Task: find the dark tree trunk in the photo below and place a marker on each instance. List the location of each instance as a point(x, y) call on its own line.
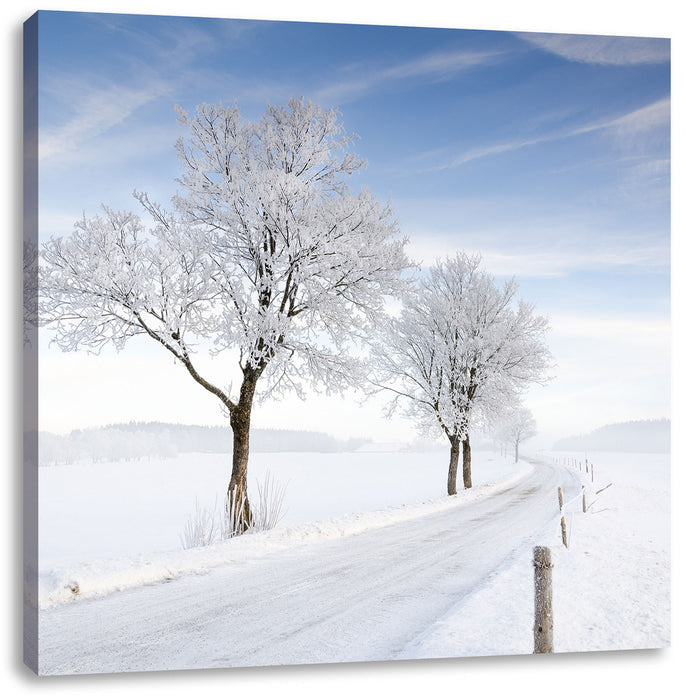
point(452, 468)
point(237, 494)
point(466, 463)
point(516, 451)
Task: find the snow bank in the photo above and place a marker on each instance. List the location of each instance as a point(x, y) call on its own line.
point(62, 584)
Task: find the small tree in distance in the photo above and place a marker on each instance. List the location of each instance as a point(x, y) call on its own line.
point(516, 426)
point(460, 351)
point(265, 253)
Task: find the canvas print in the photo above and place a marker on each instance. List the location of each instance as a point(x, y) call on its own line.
point(342, 343)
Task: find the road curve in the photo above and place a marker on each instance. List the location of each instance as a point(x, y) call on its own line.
point(362, 597)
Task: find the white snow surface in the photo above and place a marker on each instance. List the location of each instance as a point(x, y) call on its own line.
point(98, 520)
point(433, 576)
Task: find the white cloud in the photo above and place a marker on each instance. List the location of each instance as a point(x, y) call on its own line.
point(121, 148)
point(644, 331)
point(642, 129)
point(602, 50)
point(170, 44)
point(437, 65)
point(546, 263)
point(628, 129)
point(96, 111)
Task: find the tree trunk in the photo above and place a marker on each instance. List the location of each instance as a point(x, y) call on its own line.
point(466, 463)
point(516, 451)
point(452, 468)
point(237, 494)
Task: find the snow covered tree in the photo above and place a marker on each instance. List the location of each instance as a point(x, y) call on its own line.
point(516, 426)
point(266, 255)
point(459, 352)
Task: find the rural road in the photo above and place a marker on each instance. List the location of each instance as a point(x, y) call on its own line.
point(362, 597)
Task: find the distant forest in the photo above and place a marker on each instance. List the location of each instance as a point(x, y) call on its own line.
point(632, 436)
point(129, 441)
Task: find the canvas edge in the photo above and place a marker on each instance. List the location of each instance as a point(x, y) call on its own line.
point(30, 343)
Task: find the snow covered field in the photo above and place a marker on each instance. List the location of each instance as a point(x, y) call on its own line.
point(113, 509)
point(115, 526)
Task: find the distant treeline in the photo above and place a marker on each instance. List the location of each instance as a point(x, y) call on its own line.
point(632, 436)
point(131, 441)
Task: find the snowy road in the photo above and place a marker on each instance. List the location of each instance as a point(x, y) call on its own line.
point(357, 598)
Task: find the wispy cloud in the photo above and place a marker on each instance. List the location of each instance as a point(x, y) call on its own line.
point(641, 123)
point(437, 66)
point(556, 264)
point(98, 111)
point(648, 178)
point(167, 43)
point(155, 60)
point(602, 50)
point(626, 128)
point(526, 262)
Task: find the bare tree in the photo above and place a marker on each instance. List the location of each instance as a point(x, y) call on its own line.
point(461, 349)
point(265, 253)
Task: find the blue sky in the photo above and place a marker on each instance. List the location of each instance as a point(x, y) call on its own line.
point(549, 154)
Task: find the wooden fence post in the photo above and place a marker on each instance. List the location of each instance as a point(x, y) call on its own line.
point(563, 526)
point(543, 601)
point(583, 498)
